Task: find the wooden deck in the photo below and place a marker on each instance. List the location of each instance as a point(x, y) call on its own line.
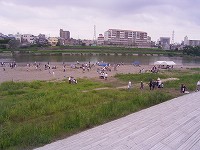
point(172, 125)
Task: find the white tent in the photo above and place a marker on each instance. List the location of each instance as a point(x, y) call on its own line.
point(169, 63)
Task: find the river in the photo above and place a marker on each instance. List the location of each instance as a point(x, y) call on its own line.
point(128, 59)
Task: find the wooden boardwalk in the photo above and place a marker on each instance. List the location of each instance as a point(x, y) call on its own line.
point(172, 125)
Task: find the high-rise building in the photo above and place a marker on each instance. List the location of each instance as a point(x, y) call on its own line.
point(64, 34)
point(126, 37)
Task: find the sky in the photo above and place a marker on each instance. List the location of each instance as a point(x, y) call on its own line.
point(159, 18)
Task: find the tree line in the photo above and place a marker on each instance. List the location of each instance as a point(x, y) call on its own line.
point(191, 50)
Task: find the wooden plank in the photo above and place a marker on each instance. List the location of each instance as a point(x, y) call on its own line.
point(174, 124)
point(191, 142)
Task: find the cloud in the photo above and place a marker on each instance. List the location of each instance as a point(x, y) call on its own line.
point(156, 17)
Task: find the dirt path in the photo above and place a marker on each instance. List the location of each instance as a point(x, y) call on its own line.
point(125, 86)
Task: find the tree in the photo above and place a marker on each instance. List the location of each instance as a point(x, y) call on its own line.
point(190, 50)
point(13, 44)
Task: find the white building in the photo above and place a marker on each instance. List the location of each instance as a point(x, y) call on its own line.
point(126, 37)
point(191, 42)
point(29, 38)
point(18, 37)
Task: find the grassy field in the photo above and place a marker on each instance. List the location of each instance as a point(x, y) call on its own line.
point(36, 113)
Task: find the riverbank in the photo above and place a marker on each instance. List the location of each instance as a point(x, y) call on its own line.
point(37, 113)
point(23, 72)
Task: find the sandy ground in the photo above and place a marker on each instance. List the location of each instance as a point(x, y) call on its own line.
point(24, 73)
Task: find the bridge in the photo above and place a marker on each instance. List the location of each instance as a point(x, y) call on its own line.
point(172, 125)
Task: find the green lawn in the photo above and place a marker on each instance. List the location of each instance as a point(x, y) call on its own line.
point(36, 113)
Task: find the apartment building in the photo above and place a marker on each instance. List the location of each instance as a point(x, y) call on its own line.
point(126, 37)
point(100, 39)
point(64, 37)
point(194, 42)
point(64, 34)
point(191, 42)
point(29, 38)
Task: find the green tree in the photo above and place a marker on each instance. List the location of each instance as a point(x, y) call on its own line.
point(13, 44)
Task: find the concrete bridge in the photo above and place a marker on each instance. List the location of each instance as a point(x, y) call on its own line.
point(172, 125)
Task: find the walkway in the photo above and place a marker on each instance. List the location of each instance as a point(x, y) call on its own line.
point(172, 125)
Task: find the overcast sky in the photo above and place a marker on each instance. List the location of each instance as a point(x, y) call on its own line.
point(156, 17)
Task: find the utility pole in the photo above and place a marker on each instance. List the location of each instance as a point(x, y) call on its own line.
point(94, 37)
point(173, 37)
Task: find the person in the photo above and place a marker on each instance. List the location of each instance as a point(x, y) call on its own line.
point(106, 76)
point(102, 75)
point(162, 85)
point(129, 85)
point(183, 88)
point(83, 69)
point(159, 83)
point(64, 68)
point(74, 81)
point(69, 79)
point(198, 86)
point(154, 83)
point(141, 85)
point(151, 85)
point(53, 73)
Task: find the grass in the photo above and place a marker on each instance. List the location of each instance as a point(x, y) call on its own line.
point(58, 50)
point(136, 78)
point(188, 77)
point(36, 113)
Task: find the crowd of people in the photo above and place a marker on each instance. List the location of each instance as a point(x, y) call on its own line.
point(153, 84)
point(102, 72)
point(10, 64)
point(72, 80)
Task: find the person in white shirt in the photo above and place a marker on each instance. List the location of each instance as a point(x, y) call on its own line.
point(106, 76)
point(69, 79)
point(129, 85)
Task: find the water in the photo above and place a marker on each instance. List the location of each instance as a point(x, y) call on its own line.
point(144, 60)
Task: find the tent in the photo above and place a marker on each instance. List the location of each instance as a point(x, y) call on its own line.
point(136, 63)
point(103, 64)
point(166, 63)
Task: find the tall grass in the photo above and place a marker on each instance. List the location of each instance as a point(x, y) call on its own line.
point(36, 113)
